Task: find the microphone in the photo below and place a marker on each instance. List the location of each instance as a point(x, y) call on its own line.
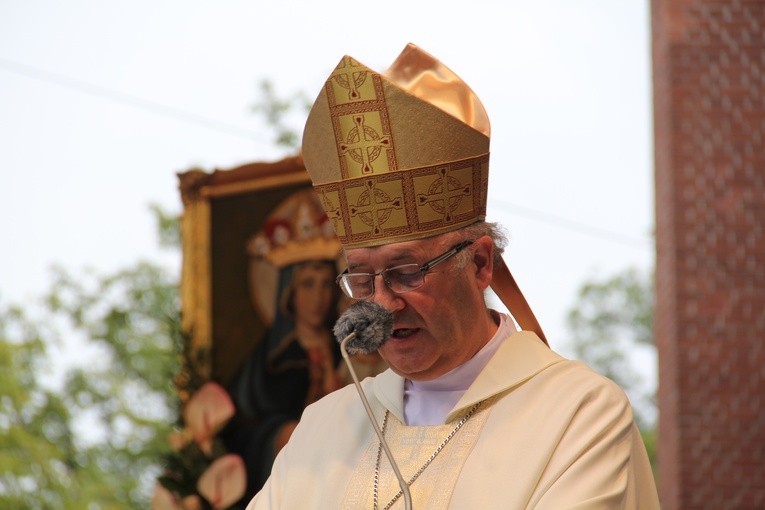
point(363, 328)
point(369, 323)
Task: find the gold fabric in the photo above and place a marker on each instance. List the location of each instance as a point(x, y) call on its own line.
point(397, 156)
point(423, 76)
point(411, 447)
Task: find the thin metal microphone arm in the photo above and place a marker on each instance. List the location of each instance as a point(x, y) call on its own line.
point(402, 483)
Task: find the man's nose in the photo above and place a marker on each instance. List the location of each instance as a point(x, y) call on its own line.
point(385, 297)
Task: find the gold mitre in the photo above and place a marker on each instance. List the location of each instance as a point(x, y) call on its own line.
point(400, 155)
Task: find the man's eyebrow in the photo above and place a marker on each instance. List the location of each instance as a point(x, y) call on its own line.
point(353, 266)
point(404, 256)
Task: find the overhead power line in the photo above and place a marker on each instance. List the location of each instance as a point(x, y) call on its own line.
point(565, 223)
point(230, 129)
point(130, 100)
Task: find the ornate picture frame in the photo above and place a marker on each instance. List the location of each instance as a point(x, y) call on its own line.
point(221, 210)
point(258, 301)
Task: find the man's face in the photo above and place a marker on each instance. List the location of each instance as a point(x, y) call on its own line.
point(432, 325)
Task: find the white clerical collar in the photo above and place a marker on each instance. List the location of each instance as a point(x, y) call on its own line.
point(428, 402)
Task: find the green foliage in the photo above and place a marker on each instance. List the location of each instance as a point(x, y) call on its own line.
point(37, 453)
point(275, 112)
point(168, 228)
point(132, 318)
point(650, 440)
point(100, 438)
point(609, 319)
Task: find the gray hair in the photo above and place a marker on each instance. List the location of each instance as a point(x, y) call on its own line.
point(480, 229)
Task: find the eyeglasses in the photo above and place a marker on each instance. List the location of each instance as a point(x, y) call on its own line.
point(399, 279)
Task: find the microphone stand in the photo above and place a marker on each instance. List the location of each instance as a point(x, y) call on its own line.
point(402, 483)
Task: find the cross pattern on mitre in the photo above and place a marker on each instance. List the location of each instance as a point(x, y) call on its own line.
point(350, 75)
point(444, 194)
point(374, 206)
point(363, 144)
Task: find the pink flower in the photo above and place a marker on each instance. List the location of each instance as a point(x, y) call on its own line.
point(207, 412)
point(224, 482)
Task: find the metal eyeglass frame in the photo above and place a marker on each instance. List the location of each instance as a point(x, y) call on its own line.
point(342, 278)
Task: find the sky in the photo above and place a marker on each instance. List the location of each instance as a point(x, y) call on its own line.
point(102, 103)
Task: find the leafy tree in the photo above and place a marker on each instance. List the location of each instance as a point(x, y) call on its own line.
point(276, 111)
point(37, 450)
point(99, 439)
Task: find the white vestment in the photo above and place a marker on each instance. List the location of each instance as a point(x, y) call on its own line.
point(551, 434)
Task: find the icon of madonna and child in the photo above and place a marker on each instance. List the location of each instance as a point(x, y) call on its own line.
point(293, 262)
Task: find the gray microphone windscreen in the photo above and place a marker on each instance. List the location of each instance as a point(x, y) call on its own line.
point(372, 324)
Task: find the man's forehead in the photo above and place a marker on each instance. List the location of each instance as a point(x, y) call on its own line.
point(391, 252)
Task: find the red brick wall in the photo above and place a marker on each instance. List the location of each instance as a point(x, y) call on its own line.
point(709, 113)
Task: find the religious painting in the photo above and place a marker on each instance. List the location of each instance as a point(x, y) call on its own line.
point(258, 301)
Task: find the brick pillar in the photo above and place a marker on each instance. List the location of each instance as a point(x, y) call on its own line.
point(709, 113)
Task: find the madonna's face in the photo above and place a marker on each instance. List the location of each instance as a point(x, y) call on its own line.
point(314, 293)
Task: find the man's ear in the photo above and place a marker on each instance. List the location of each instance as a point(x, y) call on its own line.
point(483, 258)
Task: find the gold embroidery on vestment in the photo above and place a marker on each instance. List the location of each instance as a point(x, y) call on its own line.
point(411, 447)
